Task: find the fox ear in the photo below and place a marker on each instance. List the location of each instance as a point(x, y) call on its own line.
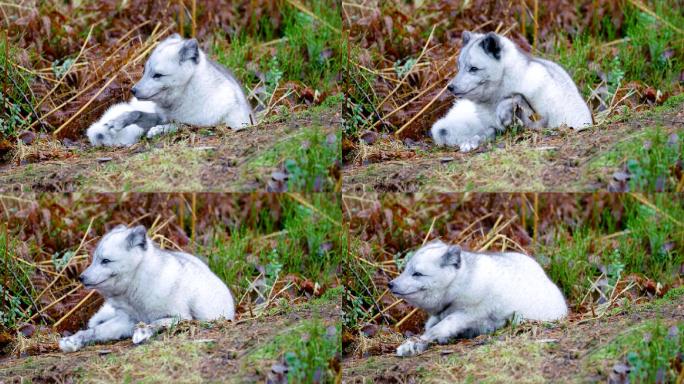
point(175, 36)
point(492, 45)
point(465, 37)
point(137, 238)
point(452, 257)
point(189, 51)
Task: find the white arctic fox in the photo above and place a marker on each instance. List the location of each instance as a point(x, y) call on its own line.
point(123, 124)
point(492, 68)
point(190, 88)
point(144, 284)
point(467, 293)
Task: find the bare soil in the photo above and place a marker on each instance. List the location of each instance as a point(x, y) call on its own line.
point(191, 352)
point(190, 160)
point(562, 354)
point(559, 160)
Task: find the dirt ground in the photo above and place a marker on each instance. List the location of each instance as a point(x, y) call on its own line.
point(190, 160)
point(192, 352)
point(555, 160)
point(568, 352)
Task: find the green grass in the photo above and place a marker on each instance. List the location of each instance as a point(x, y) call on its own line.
point(15, 98)
point(650, 244)
point(650, 350)
point(650, 158)
point(16, 290)
point(307, 349)
point(304, 242)
point(641, 55)
point(301, 49)
point(307, 158)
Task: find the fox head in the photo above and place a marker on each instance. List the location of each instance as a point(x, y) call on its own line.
point(428, 275)
point(168, 70)
point(115, 259)
point(480, 66)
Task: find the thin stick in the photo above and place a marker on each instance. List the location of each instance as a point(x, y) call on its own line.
point(61, 79)
point(40, 312)
point(194, 16)
point(194, 217)
point(410, 70)
point(68, 262)
point(640, 5)
point(536, 217)
point(402, 321)
point(385, 309)
point(427, 235)
point(181, 17)
point(645, 201)
point(298, 5)
point(421, 111)
point(300, 200)
point(91, 293)
point(536, 25)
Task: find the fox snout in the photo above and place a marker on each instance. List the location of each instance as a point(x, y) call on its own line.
point(390, 285)
point(451, 87)
point(134, 91)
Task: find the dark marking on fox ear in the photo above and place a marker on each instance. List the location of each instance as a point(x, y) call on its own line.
point(452, 257)
point(492, 45)
point(189, 51)
point(465, 38)
point(137, 238)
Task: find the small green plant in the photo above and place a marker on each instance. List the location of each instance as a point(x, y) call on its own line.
point(308, 166)
point(651, 166)
point(16, 98)
point(353, 313)
point(16, 292)
point(309, 358)
point(653, 358)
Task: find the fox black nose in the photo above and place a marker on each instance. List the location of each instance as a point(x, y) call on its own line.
point(390, 285)
point(451, 88)
point(134, 91)
point(81, 278)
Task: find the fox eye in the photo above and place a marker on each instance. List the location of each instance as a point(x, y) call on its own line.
point(157, 76)
point(106, 261)
point(417, 274)
point(473, 69)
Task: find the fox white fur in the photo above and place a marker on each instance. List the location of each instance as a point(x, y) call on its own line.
point(190, 88)
point(491, 68)
point(108, 131)
point(466, 125)
point(467, 294)
point(144, 284)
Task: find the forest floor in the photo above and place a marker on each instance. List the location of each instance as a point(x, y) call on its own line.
point(550, 160)
point(192, 352)
point(189, 160)
point(570, 351)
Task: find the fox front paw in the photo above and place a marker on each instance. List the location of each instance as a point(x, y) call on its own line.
point(70, 343)
point(142, 334)
point(469, 144)
point(412, 347)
